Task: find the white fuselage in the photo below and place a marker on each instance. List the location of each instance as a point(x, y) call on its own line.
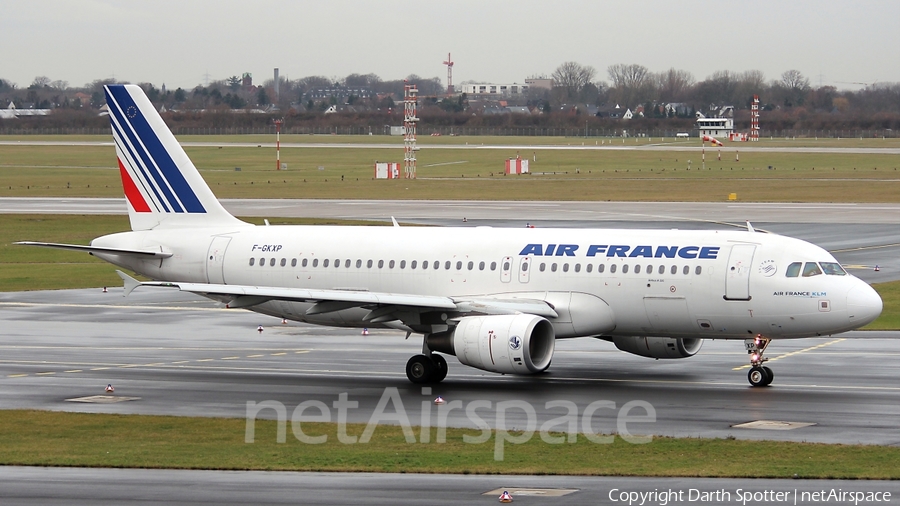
point(701, 284)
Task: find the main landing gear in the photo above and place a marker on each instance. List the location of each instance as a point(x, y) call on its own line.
point(425, 369)
point(759, 375)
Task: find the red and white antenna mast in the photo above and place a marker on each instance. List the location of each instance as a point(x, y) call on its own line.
point(410, 92)
point(449, 64)
point(754, 119)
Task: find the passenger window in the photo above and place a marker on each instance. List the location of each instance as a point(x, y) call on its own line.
point(543, 266)
point(337, 263)
point(436, 266)
point(625, 269)
point(283, 262)
point(403, 264)
point(369, 263)
point(793, 270)
point(811, 269)
point(358, 263)
point(471, 265)
point(391, 264)
point(425, 265)
point(589, 267)
point(459, 265)
point(637, 269)
point(447, 265)
point(293, 262)
point(480, 266)
point(674, 269)
point(412, 265)
point(381, 264)
point(272, 262)
point(505, 266)
point(577, 267)
point(686, 270)
point(347, 263)
point(262, 262)
point(252, 261)
point(565, 267)
point(493, 266)
point(833, 269)
point(325, 263)
point(697, 270)
point(601, 268)
point(649, 269)
point(612, 269)
point(553, 267)
point(524, 266)
point(304, 262)
point(662, 269)
point(315, 262)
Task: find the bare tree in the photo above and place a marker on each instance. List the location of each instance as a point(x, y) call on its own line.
point(59, 85)
point(673, 85)
point(795, 87)
point(40, 82)
point(570, 78)
point(632, 83)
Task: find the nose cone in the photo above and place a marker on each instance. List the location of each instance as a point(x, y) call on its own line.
point(863, 304)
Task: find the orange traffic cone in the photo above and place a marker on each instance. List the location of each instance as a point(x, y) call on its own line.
point(505, 497)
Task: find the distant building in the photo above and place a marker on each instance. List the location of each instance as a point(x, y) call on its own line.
point(497, 90)
point(540, 82)
point(340, 93)
point(715, 127)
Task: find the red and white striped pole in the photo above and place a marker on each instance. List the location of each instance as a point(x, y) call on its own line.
point(278, 123)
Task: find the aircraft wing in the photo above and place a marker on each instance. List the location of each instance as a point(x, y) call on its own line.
point(383, 305)
point(96, 249)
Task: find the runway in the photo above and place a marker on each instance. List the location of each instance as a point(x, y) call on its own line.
point(51, 486)
point(861, 236)
point(181, 355)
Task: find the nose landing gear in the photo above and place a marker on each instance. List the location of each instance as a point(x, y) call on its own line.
point(759, 375)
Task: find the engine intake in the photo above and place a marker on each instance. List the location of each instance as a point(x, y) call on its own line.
point(509, 344)
point(659, 347)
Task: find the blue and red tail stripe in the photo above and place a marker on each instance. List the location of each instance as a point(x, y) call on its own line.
point(149, 158)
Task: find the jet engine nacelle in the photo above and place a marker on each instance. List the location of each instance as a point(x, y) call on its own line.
point(659, 347)
point(509, 344)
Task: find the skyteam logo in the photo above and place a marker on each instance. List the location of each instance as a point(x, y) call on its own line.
point(151, 178)
point(515, 342)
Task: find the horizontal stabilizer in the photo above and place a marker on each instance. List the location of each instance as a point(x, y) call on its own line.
point(94, 249)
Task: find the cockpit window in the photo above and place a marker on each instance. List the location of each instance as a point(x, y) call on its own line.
point(811, 269)
point(833, 268)
point(793, 270)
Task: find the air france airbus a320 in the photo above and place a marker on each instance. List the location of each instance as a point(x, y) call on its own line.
point(497, 299)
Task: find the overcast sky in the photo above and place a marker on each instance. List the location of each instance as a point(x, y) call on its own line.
point(182, 43)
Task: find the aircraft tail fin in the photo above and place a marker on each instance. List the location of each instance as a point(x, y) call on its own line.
point(162, 186)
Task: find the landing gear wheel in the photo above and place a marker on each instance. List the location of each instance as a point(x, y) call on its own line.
point(440, 368)
point(759, 377)
point(769, 376)
point(420, 369)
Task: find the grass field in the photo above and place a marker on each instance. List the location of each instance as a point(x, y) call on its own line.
point(90, 171)
point(41, 438)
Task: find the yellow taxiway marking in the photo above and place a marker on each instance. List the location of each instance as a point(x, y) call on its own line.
point(157, 364)
point(255, 356)
point(302, 351)
point(229, 358)
point(44, 373)
point(279, 354)
point(74, 370)
point(100, 368)
point(206, 360)
point(792, 353)
point(16, 375)
point(181, 362)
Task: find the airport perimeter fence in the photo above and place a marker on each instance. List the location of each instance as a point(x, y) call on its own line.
point(425, 131)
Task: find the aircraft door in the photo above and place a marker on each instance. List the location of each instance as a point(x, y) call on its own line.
point(737, 274)
point(525, 269)
point(215, 259)
point(506, 269)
